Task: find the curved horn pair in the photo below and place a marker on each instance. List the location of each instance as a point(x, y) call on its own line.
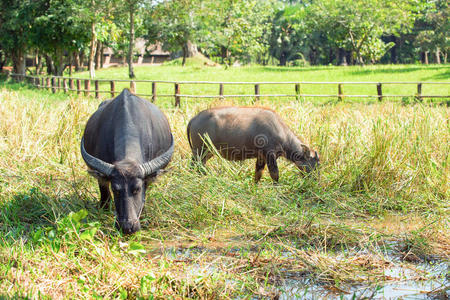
point(147, 168)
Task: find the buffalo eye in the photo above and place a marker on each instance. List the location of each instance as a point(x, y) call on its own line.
point(136, 190)
point(115, 188)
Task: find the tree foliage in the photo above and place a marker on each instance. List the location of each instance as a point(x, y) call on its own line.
point(290, 31)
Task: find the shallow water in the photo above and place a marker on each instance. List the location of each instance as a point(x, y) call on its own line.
point(427, 280)
point(404, 285)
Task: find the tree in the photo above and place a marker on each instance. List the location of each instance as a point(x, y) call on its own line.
point(432, 30)
point(288, 34)
point(99, 16)
point(132, 6)
point(175, 22)
point(60, 31)
point(16, 21)
point(358, 26)
point(233, 28)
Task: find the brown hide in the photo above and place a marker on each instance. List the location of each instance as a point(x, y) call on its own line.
point(240, 133)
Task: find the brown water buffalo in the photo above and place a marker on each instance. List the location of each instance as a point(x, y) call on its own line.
point(240, 133)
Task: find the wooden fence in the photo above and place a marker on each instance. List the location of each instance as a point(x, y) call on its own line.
point(83, 85)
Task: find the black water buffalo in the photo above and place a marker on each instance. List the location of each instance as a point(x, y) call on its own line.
point(240, 133)
point(126, 142)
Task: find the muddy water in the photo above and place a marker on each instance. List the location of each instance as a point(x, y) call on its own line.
point(427, 280)
point(434, 283)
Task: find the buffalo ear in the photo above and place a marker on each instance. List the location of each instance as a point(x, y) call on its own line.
point(96, 174)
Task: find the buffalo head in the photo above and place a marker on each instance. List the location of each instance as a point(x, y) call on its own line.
point(129, 181)
point(307, 160)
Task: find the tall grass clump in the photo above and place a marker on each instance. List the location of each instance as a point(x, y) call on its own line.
point(380, 162)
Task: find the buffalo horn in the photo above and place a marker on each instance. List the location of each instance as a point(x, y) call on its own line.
point(95, 163)
point(157, 163)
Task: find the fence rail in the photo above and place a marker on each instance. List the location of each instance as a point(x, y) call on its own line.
point(83, 85)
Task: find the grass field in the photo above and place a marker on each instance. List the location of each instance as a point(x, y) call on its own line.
point(198, 72)
point(380, 204)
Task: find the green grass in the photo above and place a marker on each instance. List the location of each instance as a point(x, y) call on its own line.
point(384, 181)
point(200, 72)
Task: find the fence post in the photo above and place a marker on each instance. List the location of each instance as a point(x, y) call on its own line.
point(97, 94)
point(340, 93)
point(221, 91)
point(297, 91)
point(380, 92)
point(71, 84)
point(153, 91)
point(65, 85)
point(59, 83)
point(133, 87)
point(257, 92)
point(112, 87)
point(48, 83)
point(42, 82)
point(87, 87)
point(177, 93)
point(419, 91)
point(53, 85)
point(78, 86)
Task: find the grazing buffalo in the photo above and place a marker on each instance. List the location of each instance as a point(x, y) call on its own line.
point(239, 133)
point(126, 143)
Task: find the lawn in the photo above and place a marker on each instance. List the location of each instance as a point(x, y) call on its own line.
point(376, 216)
point(199, 72)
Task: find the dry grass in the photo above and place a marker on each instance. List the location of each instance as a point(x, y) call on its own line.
point(384, 177)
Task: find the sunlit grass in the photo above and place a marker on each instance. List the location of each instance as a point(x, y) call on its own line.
point(384, 177)
point(374, 73)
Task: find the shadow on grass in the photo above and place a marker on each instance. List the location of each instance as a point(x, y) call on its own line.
point(388, 70)
point(29, 211)
point(442, 76)
point(299, 69)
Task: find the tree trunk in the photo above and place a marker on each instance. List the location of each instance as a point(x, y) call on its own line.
point(49, 64)
point(131, 44)
point(184, 55)
point(70, 63)
point(102, 57)
point(191, 49)
point(352, 57)
point(438, 56)
point(18, 58)
point(38, 63)
point(223, 54)
point(59, 62)
point(342, 57)
point(2, 60)
point(76, 60)
point(283, 59)
point(360, 60)
point(92, 51)
point(394, 55)
point(82, 59)
point(426, 57)
point(98, 55)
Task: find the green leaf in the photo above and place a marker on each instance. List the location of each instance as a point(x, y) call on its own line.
point(136, 248)
point(78, 216)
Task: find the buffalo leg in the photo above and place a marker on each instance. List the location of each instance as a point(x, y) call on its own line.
point(273, 167)
point(105, 195)
point(259, 167)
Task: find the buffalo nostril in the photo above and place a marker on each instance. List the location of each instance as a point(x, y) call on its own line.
point(128, 227)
